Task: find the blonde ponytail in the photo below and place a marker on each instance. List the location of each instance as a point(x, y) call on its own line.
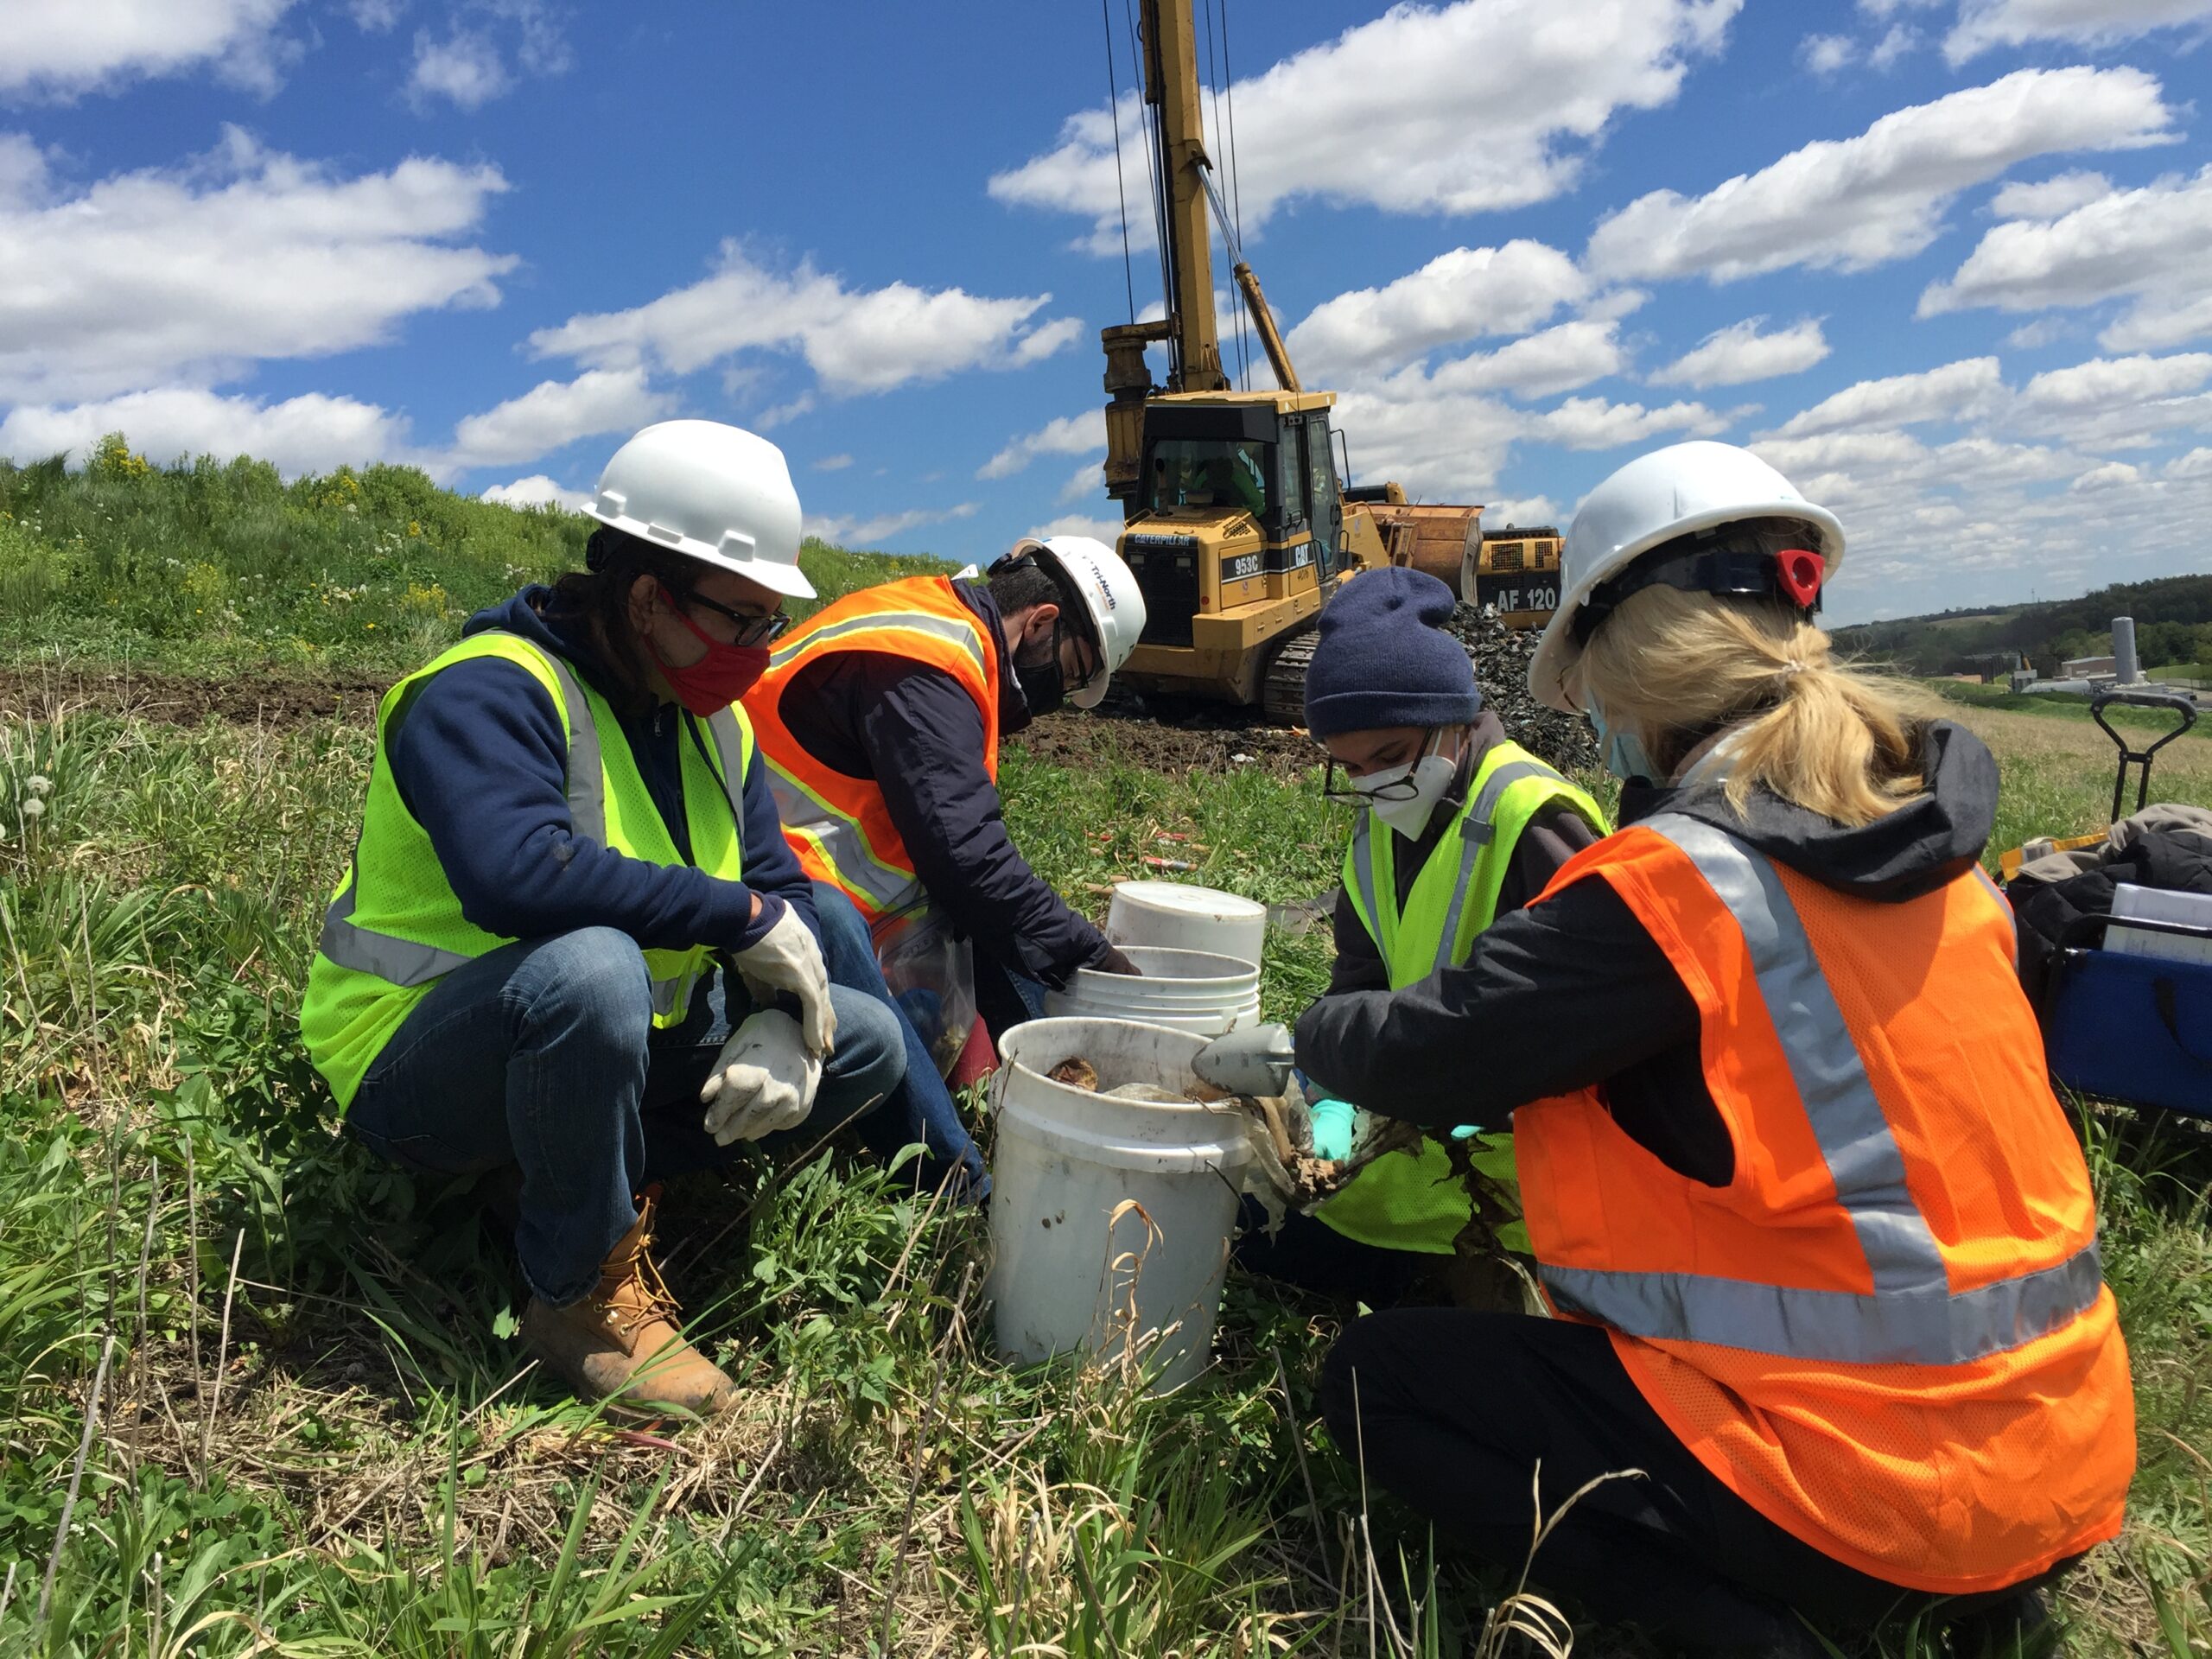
point(1676, 668)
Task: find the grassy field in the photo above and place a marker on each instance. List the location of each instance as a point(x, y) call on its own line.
point(259, 1392)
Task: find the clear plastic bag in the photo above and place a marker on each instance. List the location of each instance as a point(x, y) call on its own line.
point(930, 968)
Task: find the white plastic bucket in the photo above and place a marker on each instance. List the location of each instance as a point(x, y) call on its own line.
point(1182, 917)
point(1189, 990)
point(1110, 1218)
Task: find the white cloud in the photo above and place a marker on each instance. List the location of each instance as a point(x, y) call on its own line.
point(1107, 531)
point(307, 434)
point(2151, 245)
point(1453, 446)
point(1826, 53)
point(2109, 475)
point(61, 47)
point(855, 340)
point(1464, 294)
point(1984, 24)
point(1855, 203)
point(2119, 402)
point(1063, 435)
point(2050, 198)
point(2034, 336)
point(554, 413)
point(836, 463)
point(1955, 391)
point(1525, 511)
point(374, 17)
point(1558, 359)
point(1491, 103)
point(2104, 383)
point(538, 491)
point(465, 68)
point(470, 67)
point(1441, 446)
point(1087, 481)
point(1739, 353)
point(847, 531)
point(1595, 423)
point(1898, 39)
point(2198, 463)
point(245, 254)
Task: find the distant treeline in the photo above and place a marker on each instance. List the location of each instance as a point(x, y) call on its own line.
point(2173, 626)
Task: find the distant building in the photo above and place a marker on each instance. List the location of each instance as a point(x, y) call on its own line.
point(2089, 668)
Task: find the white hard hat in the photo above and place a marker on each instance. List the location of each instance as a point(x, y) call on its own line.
point(1110, 593)
point(716, 493)
point(1655, 498)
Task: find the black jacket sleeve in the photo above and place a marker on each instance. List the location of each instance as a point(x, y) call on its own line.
point(1359, 966)
point(481, 761)
point(1555, 997)
point(924, 739)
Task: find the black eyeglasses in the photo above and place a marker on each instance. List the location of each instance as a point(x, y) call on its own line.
point(751, 630)
point(1404, 790)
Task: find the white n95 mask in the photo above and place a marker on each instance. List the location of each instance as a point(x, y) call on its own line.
point(1404, 796)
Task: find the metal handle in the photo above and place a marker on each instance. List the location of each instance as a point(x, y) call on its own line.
point(2173, 702)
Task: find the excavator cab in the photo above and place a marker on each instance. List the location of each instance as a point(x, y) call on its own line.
point(1235, 530)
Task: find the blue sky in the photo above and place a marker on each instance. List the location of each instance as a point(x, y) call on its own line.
point(1940, 260)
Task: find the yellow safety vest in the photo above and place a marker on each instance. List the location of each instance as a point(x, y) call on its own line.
point(1410, 1200)
point(394, 926)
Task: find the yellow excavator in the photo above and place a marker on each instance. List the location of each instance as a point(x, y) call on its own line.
point(1237, 521)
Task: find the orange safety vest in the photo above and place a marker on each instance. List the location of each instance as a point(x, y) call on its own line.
point(838, 824)
point(1889, 1332)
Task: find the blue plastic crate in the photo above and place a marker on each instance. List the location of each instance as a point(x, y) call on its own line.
point(2131, 1028)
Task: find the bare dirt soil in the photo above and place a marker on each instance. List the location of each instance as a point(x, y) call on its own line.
point(1169, 740)
point(187, 700)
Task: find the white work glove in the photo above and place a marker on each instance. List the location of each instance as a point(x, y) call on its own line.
point(763, 1080)
point(787, 958)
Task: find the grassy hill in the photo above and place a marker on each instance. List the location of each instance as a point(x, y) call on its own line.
point(2173, 626)
point(210, 563)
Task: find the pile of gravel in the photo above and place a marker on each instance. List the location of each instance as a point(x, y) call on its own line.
point(1501, 657)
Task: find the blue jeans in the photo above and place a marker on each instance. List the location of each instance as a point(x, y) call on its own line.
point(542, 1054)
point(920, 1110)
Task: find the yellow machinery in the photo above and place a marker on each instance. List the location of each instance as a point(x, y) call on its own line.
point(1515, 572)
point(1236, 521)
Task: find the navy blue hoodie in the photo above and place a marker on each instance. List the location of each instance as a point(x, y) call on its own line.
point(480, 759)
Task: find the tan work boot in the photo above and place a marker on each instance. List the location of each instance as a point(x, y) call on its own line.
point(620, 1343)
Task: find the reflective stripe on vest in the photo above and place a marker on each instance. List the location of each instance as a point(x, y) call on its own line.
point(840, 840)
point(943, 627)
point(1912, 1316)
point(405, 963)
point(1477, 829)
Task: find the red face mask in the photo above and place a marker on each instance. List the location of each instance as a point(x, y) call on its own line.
point(717, 679)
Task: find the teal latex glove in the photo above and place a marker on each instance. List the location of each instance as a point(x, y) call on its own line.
point(1466, 1131)
point(1333, 1129)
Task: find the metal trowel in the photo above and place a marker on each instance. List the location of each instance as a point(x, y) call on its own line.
point(1256, 1061)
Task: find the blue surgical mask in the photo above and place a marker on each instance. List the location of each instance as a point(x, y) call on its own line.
point(1625, 756)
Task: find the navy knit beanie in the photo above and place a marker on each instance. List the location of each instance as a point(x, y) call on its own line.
point(1384, 660)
